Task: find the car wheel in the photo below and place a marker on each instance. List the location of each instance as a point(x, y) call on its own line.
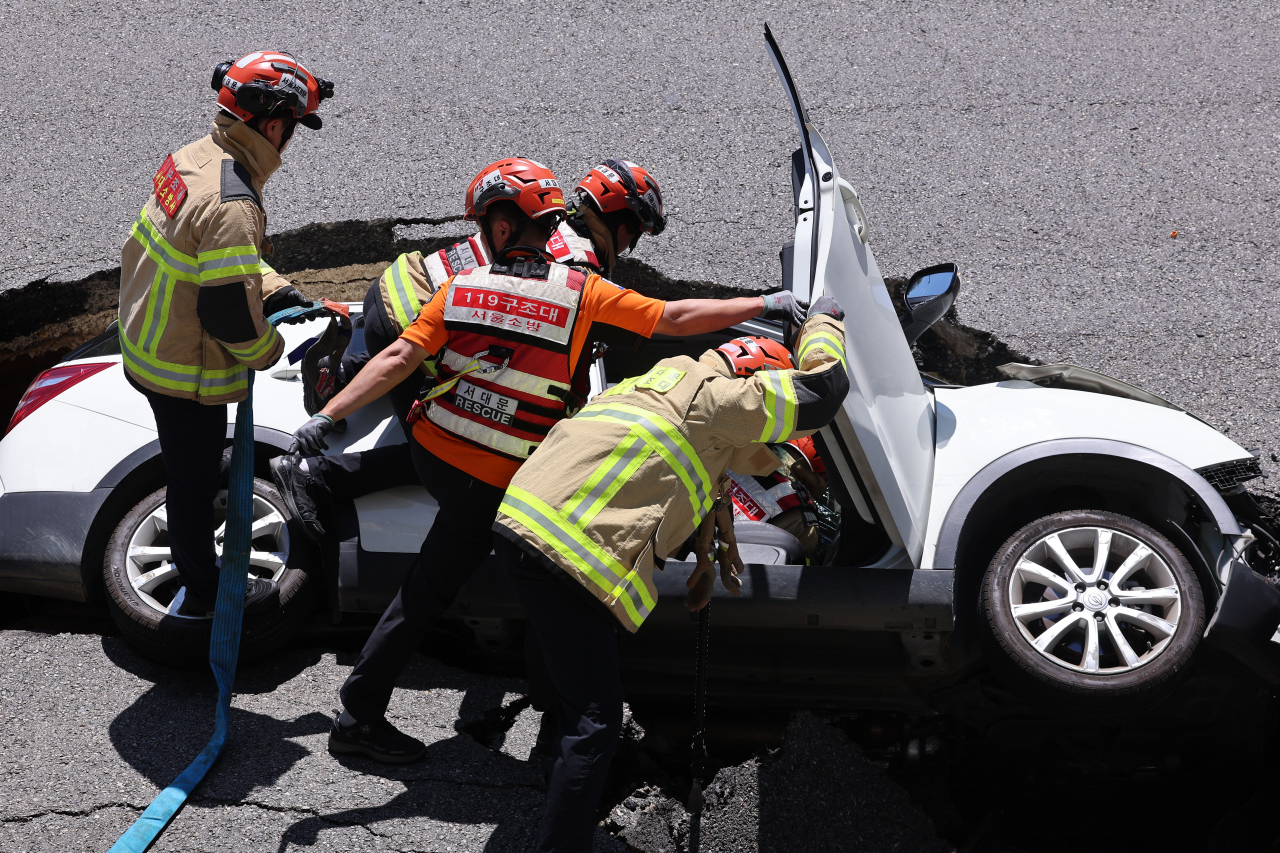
point(1091, 611)
point(145, 591)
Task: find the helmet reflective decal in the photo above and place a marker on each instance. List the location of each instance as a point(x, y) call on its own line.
point(549, 183)
point(494, 177)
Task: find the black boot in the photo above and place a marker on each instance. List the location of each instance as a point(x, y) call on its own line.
point(296, 487)
point(259, 595)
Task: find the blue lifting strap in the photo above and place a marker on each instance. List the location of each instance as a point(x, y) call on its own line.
point(224, 647)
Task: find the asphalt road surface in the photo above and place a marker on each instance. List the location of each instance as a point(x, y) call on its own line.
point(90, 733)
point(1049, 148)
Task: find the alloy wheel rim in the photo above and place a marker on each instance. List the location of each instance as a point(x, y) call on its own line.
point(149, 562)
point(1095, 600)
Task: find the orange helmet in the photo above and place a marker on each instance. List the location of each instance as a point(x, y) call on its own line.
point(269, 83)
point(618, 184)
point(746, 355)
point(806, 446)
point(528, 183)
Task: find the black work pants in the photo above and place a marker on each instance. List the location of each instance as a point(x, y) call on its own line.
point(353, 475)
point(576, 639)
point(459, 541)
point(192, 437)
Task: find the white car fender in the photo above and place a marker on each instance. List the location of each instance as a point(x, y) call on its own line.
point(979, 425)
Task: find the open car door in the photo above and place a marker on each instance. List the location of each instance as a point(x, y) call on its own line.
point(882, 443)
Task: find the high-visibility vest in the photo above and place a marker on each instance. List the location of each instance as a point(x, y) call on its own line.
point(505, 377)
point(468, 254)
point(569, 247)
point(755, 501)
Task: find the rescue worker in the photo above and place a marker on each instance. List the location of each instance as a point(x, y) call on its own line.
point(614, 208)
point(510, 340)
point(616, 202)
point(616, 489)
point(195, 292)
point(784, 498)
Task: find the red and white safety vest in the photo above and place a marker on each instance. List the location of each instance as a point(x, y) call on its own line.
point(754, 501)
point(569, 247)
point(509, 341)
point(467, 255)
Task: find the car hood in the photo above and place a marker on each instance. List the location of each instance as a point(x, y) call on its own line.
point(977, 425)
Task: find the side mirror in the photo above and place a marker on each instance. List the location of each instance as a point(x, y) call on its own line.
point(930, 294)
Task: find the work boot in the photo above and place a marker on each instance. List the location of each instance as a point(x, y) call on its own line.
point(380, 741)
point(295, 487)
point(259, 595)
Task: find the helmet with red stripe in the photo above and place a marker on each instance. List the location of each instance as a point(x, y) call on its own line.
point(529, 184)
point(746, 355)
point(270, 84)
point(618, 184)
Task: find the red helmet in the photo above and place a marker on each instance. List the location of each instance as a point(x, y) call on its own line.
point(806, 446)
point(528, 183)
point(622, 185)
point(746, 355)
point(269, 83)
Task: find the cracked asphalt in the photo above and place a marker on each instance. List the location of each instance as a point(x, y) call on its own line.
point(1049, 148)
point(90, 733)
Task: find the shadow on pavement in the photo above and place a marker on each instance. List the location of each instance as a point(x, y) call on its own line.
point(509, 813)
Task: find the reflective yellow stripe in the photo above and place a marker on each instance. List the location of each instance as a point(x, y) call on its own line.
point(779, 404)
point(404, 302)
point(256, 349)
point(176, 377)
point(667, 442)
point(229, 262)
point(181, 377)
point(610, 476)
point(601, 567)
point(181, 266)
point(217, 382)
point(150, 335)
point(827, 342)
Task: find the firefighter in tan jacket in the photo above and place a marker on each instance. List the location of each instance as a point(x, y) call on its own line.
point(195, 293)
point(616, 489)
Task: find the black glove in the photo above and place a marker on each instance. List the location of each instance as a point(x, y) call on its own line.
point(283, 299)
point(827, 305)
point(309, 438)
point(783, 306)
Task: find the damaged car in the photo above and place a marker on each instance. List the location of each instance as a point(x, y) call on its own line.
point(1081, 538)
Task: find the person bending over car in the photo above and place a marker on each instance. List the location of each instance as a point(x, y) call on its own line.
point(194, 294)
point(511, 341)
point(616, 202)
point(611, 494)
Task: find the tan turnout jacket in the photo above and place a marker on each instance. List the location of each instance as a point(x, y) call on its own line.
point(615, 489)
point(191, 285)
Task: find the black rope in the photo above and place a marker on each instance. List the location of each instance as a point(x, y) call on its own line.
point(699, 765)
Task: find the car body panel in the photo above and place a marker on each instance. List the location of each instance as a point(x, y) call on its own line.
point(886, 427)
point(978, 425)
point(68, 441)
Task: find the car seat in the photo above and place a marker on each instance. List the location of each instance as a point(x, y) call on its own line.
point(760, 542)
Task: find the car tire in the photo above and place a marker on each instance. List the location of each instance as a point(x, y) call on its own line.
point(1096, 640)
point(141, 606)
